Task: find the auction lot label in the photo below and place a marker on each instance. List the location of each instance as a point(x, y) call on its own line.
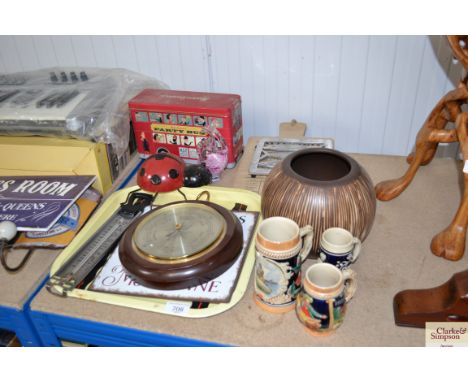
point(447, 334)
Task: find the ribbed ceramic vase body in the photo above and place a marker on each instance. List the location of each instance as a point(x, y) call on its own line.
point(321, 187)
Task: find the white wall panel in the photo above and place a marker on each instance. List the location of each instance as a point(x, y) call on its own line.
point(302, 66)
point(226, 59)
point(379, 78)
point(45, 51)
point(27, 52)
point(104, 51)
point(248, 65)
point(260, 115)
point(170, 59)
point(352, 85)
point(284, 72)
point(9, 54)
point(273, 83)
point(296, 107)
point(125, 52)
point(327, 62)
point(193, 52)
point(370, 93)
point(406, 77)
point(63, 48)
point(147, 56)
point(83, 50)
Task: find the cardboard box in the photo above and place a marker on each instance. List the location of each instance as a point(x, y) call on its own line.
point(55, 156)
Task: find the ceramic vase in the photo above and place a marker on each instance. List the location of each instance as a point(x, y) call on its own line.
point(323, 188)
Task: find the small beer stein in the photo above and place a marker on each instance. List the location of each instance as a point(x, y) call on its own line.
point(321, 305)
point(281, 250)
point(339, 247)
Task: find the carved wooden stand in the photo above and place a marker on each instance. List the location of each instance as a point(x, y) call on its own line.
point(447, 302)
point(450, 243)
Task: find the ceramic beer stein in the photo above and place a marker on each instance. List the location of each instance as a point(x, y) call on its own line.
point(321, 305)
point(339, 247)
point(281, 247)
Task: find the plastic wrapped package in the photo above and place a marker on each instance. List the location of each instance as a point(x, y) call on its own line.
point(83, 103)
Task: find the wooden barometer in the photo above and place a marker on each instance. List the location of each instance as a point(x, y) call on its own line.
point(181, 244)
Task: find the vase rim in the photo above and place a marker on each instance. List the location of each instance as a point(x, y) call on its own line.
point(352, 174)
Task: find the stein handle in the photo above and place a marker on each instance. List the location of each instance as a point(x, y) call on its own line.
point(357, 248)
point(308, 232)
point(350, 281)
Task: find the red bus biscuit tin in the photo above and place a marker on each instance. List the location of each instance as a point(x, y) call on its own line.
point(174, 121)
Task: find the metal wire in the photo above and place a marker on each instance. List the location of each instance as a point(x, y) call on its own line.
point(4, 250)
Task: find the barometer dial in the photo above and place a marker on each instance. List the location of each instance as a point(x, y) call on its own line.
point(179, 231)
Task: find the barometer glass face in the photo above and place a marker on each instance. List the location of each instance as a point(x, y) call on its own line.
point(178, 231)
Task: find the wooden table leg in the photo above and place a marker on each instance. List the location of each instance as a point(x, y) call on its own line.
point(431, 133)
point(450, 243)
point(450, 113)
